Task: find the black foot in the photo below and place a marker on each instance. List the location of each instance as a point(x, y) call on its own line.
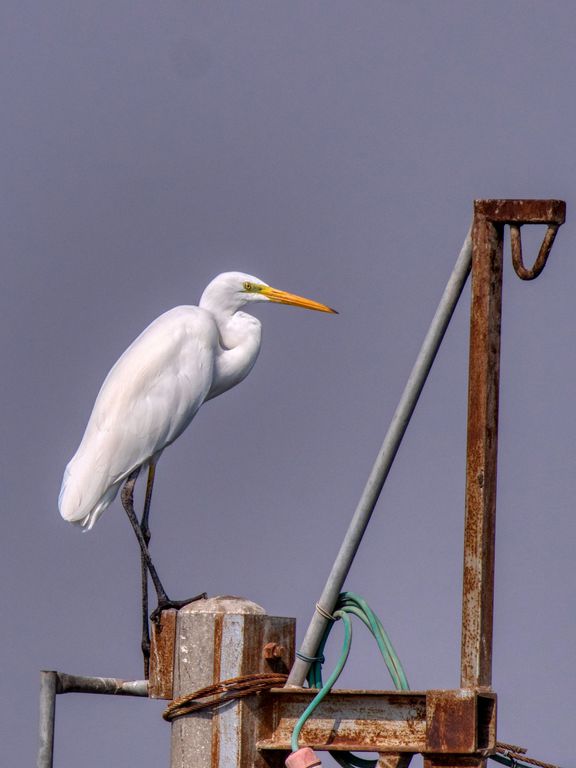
point(164, 605)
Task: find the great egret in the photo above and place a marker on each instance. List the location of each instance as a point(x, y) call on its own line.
point(185, 357)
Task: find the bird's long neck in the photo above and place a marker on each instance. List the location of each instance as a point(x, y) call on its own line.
point(240, 336)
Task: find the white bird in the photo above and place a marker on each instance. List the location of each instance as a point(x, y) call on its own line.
point(185, 357)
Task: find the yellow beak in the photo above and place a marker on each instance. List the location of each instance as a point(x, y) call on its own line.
point(282, 297)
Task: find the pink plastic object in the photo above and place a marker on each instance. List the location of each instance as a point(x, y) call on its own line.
point(302, 758)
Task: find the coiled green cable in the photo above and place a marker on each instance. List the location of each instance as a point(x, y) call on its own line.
point(349, 604)
point(322, 693)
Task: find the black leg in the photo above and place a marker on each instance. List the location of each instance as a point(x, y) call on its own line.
point(144, 527)
point(127, 496)
point(143, 535)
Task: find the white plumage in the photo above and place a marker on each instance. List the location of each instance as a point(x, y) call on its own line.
point(186, 356)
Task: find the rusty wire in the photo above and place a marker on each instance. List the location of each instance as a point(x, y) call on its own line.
point(518, 757)
point(501, 746)
point(217, 694)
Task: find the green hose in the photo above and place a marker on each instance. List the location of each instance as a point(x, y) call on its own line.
point(349, 604)
point(324, 691)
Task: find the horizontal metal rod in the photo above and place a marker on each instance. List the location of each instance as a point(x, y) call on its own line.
point(53, 683)
point(107, 685)
point(383, 462)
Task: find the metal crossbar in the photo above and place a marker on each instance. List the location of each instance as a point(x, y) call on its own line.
point(53, 683)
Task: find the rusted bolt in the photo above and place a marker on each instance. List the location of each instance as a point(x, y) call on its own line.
point(273, 651)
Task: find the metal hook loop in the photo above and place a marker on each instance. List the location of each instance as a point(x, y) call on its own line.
point(541, 259)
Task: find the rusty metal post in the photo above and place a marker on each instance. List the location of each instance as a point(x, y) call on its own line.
point(223, 638)
point(483, 385)
point(490, 217)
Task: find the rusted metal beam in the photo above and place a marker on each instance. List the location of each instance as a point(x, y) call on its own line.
point(461, 722)
point(549, 212)
point(490, 217)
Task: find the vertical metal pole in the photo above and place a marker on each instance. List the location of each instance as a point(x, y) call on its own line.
point(53, 683)
point(490, 217)
point(48, 690)
point(483, 383)
point(383, 462)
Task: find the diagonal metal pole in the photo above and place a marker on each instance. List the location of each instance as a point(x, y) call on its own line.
point(382, 465)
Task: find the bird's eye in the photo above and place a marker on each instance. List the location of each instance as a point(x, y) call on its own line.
point(248, 286)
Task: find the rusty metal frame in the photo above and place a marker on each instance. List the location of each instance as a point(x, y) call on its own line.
point(389, 722)
point(490, 218)
point(452, 729)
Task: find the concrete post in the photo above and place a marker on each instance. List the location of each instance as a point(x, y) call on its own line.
point(218, 639)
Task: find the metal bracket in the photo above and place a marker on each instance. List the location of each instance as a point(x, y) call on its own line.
point(516, 213)
point(444, 722)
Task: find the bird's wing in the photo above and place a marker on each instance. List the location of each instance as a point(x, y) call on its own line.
point(147, 400)
point(158, 384)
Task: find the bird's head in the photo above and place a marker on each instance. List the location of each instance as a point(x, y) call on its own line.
point(232, 290)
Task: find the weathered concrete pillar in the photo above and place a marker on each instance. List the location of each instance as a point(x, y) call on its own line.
point(219, 639)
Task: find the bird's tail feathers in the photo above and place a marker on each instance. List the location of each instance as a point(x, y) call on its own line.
point(82, 498)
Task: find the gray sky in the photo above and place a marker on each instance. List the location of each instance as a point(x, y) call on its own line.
point(334, 150)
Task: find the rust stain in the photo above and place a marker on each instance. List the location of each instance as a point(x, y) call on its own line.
point(216, 676)
point(162, 650)
point(394, 761)
point(522, 211)
point(482, 445)
point(451, 721)
point(354, 720)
